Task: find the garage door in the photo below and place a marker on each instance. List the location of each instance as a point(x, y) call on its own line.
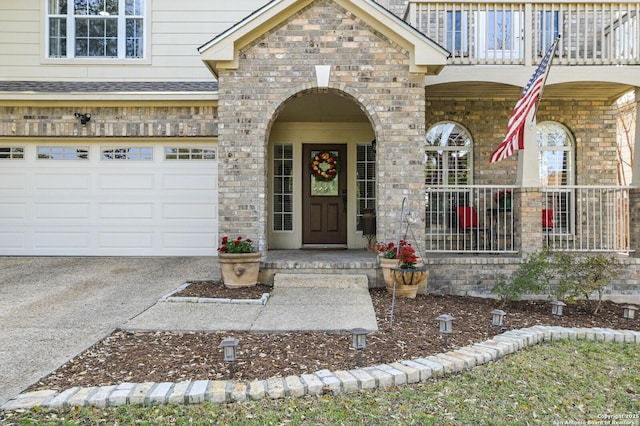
point(110, 199)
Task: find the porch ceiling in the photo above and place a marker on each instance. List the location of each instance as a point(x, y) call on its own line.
point(576, 90)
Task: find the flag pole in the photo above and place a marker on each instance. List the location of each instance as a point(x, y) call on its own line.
point(544, 79)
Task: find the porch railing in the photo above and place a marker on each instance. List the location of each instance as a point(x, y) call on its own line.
point(586, 218)
point(478, 32)
point(481, 219)
point(472, 219)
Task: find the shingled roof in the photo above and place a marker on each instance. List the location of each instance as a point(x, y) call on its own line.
point(108, 86)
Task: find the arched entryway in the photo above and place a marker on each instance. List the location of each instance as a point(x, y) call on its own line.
point(307, 209)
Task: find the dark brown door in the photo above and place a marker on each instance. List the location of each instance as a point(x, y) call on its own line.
point(324, 215)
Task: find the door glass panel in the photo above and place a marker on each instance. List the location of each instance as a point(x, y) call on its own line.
point(324, 163)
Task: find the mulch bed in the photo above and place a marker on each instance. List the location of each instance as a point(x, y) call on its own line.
point(165, 356)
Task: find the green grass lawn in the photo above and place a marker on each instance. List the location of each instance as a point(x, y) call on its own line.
point(546, 384)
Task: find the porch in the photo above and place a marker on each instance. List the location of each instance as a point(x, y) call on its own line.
point(466, 254)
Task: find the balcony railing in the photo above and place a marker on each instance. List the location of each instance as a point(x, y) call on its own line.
point(481, 219)
point(476, 32)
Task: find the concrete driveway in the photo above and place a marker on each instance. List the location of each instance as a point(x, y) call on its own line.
point(51, 309)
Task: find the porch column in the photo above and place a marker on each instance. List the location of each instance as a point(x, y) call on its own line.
point(634, 194)
point(528, 205)
point(527, 210)
point(528, 168)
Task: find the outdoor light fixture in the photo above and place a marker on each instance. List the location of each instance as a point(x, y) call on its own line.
point(497, 317)
point(556, 308)
point(359, 342)
point(446, 327)
point(229, 347)
point(84, 118)
point(629, 312)
point(446, 323)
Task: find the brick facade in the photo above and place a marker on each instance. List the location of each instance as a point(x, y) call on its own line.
point(281, 64)
point(117, 121)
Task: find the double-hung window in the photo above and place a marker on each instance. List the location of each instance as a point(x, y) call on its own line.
point(96, 29)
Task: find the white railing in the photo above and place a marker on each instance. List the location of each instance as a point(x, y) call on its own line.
point(479, 219)
point(469, 219)
point(586, 218)
point(476, 32)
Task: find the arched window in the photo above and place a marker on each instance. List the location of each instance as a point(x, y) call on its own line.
point(555, 156)
point(448, 169)
point(555, 160)
point(448, 155)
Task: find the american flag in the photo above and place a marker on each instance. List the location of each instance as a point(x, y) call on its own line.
point(528, 100)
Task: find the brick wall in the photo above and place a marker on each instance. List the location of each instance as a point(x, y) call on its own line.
point(592, 124)
point(156, 121)
point(365, 66)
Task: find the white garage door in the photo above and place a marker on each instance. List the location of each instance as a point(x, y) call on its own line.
point(108, 199)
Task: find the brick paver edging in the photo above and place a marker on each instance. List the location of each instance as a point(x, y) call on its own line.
point(382, 376)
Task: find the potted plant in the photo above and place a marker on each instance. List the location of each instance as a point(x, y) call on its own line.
point(387, 259)
point(408, 277)
point(239, 262)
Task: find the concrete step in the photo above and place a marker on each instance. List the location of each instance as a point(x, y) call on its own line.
point(338, 281)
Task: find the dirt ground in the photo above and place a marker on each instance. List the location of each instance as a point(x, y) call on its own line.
point(173, 357)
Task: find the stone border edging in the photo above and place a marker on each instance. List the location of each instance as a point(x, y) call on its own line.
point(170, 298)
point(320, 382)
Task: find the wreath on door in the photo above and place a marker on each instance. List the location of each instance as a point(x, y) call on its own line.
point(324, 166)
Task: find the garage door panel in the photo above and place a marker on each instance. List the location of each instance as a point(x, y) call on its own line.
point(189, 211)
point(15, 211)
point(189, 240)
point(126, 240)
point(12, 240)
point(15, 182)
point(190, 182)
point(63, 211)
point(61, 240)
point(63, 182)
point(123, 211)
point(127, 182)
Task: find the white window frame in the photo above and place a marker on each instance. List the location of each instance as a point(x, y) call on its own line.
point(190, 153)
point(442, 197)
point(486, 34)
point(564, 218)
point(70, 19)
point(126, 153)
point(8, 152)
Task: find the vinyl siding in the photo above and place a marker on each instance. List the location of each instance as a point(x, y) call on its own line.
point(177, 30)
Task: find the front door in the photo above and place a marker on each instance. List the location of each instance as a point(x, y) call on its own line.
point(324, 183)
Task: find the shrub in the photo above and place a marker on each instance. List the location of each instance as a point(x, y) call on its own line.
point(532, 277)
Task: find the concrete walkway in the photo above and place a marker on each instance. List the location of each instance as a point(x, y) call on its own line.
point(298, 302)
point(51, 309)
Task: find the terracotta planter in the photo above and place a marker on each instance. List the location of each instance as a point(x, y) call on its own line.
point(386, 265)
point(409, 281)
point(239, 270)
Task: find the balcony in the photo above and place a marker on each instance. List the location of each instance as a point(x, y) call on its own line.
point(482, 33)
point(489, 219)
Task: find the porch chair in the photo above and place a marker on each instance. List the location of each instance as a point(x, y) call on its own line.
point(547, 222)
point(469, 223)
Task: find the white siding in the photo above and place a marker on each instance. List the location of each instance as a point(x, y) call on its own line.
point(178, 28)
